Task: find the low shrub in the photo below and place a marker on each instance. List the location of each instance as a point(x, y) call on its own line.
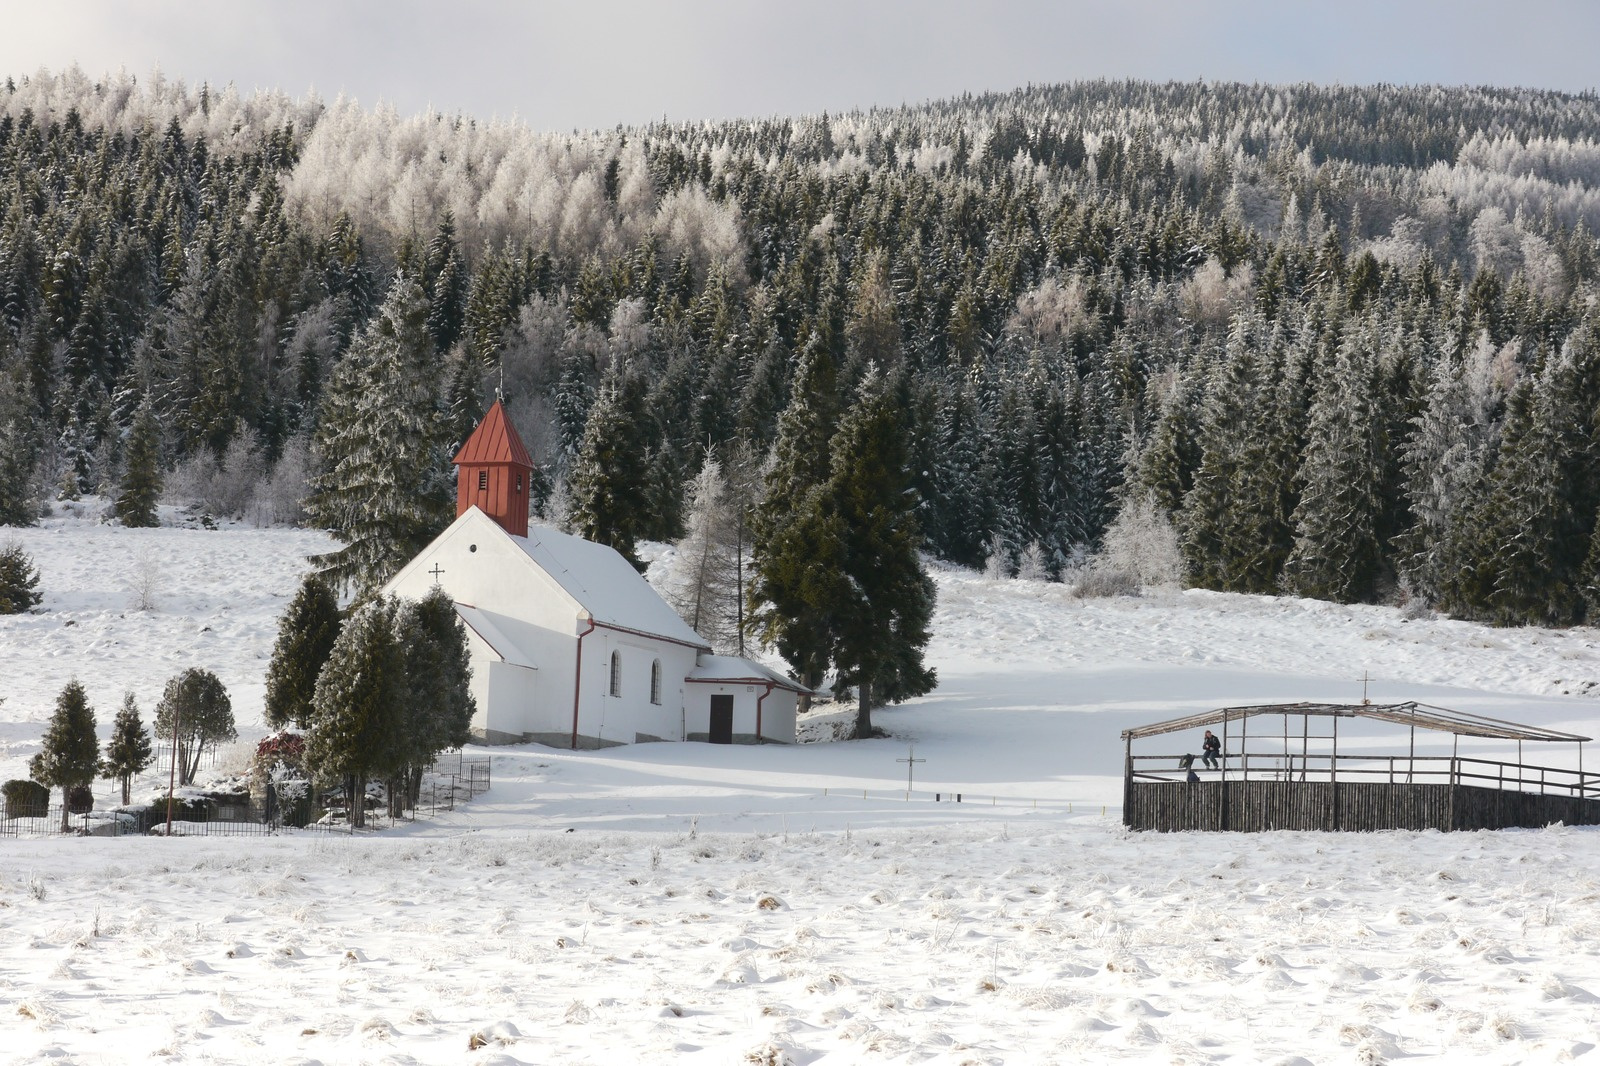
point(25, 799)
point(184, 809)
point(80, 800)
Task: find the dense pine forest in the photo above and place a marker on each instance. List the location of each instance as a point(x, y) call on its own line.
point(1341, 342)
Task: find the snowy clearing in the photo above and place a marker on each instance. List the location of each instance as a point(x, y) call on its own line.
point(791, 904)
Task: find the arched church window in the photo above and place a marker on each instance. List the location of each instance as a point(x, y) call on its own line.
point(655, 682)
point(616, 673)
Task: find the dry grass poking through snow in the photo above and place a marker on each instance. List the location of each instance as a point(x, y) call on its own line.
point(960, 945)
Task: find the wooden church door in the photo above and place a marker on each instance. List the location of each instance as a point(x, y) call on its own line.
point(722, 719)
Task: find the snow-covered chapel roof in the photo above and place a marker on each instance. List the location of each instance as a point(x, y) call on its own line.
point(732, 670)
point(606, 584)
point(483, 624)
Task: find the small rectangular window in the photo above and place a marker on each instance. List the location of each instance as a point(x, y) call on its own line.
point(519, 484)
point(483, 481)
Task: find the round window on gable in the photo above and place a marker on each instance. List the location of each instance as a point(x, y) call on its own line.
point(472, 547)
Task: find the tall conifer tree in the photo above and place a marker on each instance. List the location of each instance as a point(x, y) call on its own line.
point(141, 479)
point(1336, 552)
point(306, 634)
point(383, 490)
point(129, 751)
point(610, 480)
point(883, 606)
point(354, 735)
point(792, 573)
point(69, 754)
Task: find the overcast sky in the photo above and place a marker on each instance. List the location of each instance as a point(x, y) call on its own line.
point(600, 63)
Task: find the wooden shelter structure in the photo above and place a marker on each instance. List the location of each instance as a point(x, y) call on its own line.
point(1272, 777)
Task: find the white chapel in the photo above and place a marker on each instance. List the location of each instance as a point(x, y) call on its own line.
point(570, 646)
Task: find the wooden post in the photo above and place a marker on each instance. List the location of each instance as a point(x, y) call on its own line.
point(1222, 779)
point(1413, 763)
point(1244, 754)
point(1455, 774)
point(1333, 776)
point(1127, 779)
point(172, 775)
point(1305, 744)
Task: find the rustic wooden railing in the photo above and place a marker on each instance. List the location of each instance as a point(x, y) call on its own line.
point(1393, 769)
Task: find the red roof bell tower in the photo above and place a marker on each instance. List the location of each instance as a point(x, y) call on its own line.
point(494, 472)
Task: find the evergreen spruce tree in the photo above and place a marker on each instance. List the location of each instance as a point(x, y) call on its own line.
point(1064, 467)
point(883, 607)
point(357, 714)
point(445, 280)
point(18, 450)
point(1217, 545)
point(793, 575)
point(1539, 513)
point(610, 480)
point(383, 491)
point(439, 704)
point(1095, 473)
point(195, 705)
point(1336, 553)
point(1589, 578)
point(572, 400)
point(1264, 492)
point(1446, 461)
point(1157, 468)
point(19, 580)
point(1014, 457)
point(141, 480)
point(69, 754)
point(129, 751)
point(306, 634)
point(960, 510)
point(18, 505)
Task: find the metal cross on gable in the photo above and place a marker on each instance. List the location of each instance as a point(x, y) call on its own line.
point(911, 763)
point(436, 571)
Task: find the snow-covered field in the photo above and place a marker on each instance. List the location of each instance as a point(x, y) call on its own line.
point(689, 903)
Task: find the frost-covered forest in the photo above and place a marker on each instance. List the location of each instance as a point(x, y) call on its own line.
point(1341, 340)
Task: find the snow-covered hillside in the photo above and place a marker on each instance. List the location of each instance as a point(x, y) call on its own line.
point(732, 905)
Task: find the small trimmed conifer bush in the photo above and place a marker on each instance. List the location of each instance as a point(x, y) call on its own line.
point(25, 799)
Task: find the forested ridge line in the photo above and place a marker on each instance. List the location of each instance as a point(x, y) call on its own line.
point(1340, 338)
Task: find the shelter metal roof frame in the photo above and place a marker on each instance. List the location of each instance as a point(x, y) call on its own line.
point(1440, 719)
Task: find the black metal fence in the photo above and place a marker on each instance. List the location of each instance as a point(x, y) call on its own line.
point(453, 780)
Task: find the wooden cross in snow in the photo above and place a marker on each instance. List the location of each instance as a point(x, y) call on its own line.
point(911, 763)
